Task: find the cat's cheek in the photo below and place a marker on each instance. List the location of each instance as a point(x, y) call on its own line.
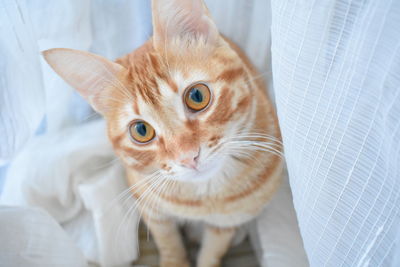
point(145, 167)
point(213, 141)
point(131, 162)
point(166, 167)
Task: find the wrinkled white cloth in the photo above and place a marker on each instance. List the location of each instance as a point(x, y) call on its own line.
point(31, 237)
point(74, 176)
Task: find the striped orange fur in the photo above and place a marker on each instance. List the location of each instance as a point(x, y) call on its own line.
point(220, 165)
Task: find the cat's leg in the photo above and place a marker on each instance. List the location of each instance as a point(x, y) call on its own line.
point(169, 242)
point(215, 244)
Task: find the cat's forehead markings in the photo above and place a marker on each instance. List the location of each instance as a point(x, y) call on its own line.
point(126, 109)
point(171, 99)
point(165, 89)
point(135, 107)
point(183, 81)
point(129, 112)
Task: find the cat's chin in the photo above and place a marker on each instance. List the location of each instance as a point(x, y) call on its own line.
point(202, 176)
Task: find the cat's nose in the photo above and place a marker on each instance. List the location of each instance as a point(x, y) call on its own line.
point(190, 159)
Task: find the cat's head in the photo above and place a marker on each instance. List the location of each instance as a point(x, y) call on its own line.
point(176, 103)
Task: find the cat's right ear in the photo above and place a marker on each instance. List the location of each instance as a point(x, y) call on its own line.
point(90, 74)
point(182, 21)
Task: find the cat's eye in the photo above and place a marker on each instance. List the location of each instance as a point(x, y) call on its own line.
point(197, 97)
point(141, 132)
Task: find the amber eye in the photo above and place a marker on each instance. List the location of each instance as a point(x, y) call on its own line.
point(141, 132)
point(197, 97)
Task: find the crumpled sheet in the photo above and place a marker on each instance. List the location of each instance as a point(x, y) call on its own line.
point(31, 237)
point(74, 176)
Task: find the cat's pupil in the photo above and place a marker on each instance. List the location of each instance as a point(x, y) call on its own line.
point(196, 95)
point(141, 129)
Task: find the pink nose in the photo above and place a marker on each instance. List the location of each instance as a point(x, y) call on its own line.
point(190, 159)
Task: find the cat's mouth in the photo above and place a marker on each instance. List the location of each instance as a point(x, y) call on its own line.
point(203, 172)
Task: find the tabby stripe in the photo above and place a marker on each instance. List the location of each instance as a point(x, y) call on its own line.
point(231, 75)
point(256, 184)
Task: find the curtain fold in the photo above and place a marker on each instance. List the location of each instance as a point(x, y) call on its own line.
point(21, 106)
point(336, 68)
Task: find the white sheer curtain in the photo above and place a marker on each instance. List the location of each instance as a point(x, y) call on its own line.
point(336, 71)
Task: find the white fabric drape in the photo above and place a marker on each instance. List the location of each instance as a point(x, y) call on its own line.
point(31, 233)
point(19, 66)
point(77, 184)
point(336, 71)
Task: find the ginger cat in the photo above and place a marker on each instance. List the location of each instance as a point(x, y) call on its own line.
point(191, 123)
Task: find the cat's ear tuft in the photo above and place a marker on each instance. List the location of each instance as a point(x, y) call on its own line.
point(90, 74)
point(182, 20)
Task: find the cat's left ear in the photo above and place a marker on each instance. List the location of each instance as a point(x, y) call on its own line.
point(93, 76)
point(182, 22)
